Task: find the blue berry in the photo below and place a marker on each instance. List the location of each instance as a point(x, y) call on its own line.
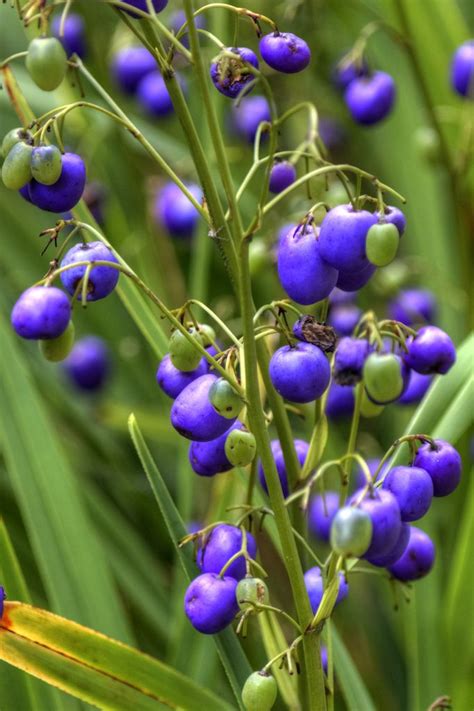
point(344, 318)
point(88, 364)
point(102, 279)
point(352, 281)
point(321, 511)
point(302, 449)
point(347, 70)
point(443, 463)
point(130, 65)
point(172, 381)
point(462, 69)
point(300, 373)
point(412, 488)
point(394, 216)
point(342, 238)
point(153, 95)
point(223, 542)
point(384, 511)
point(210, 603)
point(395, 553)
point(41, 313)
point(430, 351)
point(370, 99)
point(192, 414)
point(209, 458)
point(417, 559)
point(73, 39)
point(340, 401)
point(413, 307)
point(66, 192)
point(229, 75)
point(285, 52)
point(349, 359)
point(282, 175)
point(315, 587)
point(416, 389)
point(249, 114)
point(175, 211)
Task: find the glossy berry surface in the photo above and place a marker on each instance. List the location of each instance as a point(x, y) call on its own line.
point(315, 587)
point(395, 553)
point(394, 216)
point(46, 164)
point(301, 448)
point(413, 307)
point(352, 281)
point(130, 65)
point(382, 244)
point(16, 168)
point(285, 52)
point(300, 373)
point(351, 532)
point(384, 512)
point(183, 352)
point(210, 603)
point(46, 62)
point(340, 401)
point(430, 351)
point(443, 463)
point(321, 511)
point(344, 318)
point(66, 192)
point(73, 39)
point(102, 279)
point(224, 399)
point(240, 447)
point(88, 364)
point(349, 359)
point(385, 377)
point(223, 542)
point(347, 70)
point(175, 212)
point(172, 381)
point(229, 75)
point(192, 414)
point(462, 69)
point(282, 175)
point(417, 559)
point(249, 114)
point(303, 274)
point(413, 489)
point(41, 312)
point(342, 238)
point(259, 692)
point(210, 458)
point(153, 95)
point(251, 590)
point(370, 99)
point(416, 389)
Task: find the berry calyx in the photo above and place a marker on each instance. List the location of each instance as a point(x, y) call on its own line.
point(231, 74)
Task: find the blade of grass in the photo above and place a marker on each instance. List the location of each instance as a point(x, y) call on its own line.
point(351, 684)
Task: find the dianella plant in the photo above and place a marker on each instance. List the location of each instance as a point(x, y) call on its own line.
point(186, 541)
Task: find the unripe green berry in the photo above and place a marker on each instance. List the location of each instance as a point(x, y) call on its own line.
point(351, 532)
point(12, 137)
point(224, 399)
point(184, 354)
point(252, 589)
point(46, 62)
point(258, 257)
point(259, 692)
point(240, 448)
point(382, 377)
point(46, 164)
point(207, 334)
point(381, 244)
point(56, 349)
point(16, 168)
point(369, 409)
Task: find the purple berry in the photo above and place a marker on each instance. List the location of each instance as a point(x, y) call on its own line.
point(66, 192)
point(88, 364)
point(352, 281)
point(304, 275)
point(178, 19)
point(300, 373)
point(172, 381)
point(301, 447)
point(349, 359)
point(342, 238)
point(192, 414)
point(370, 99)
point(231, 76)
point(417, 559)
point(417, 388)
point(210, 602)
point(285, 52)
point(430, 351)
point(282, 175)
point(73, 39)
point(347, 70)
point(315, 587)
point(339, 296)
point(209, 458)
point(175, 211)
point(394, 216)
point(340, 401)
point(130, 65)
point(344, 318)
point(383, 561)
point(321, 512)
point(333, 135)
point(102, 279)
point(223, 542)
point(462, 69)
point(413, 489)
point(443, 464)
point(153, 95)
point(249, 114)
point(413, 307)
point(41, 313)
point(383, 509)
point(324, 658)
point(158, 6)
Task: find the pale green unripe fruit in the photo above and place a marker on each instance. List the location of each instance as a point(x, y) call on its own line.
point(383, 377)
point(240, 448)
point(207, 334)
point(258, 256)
point(381, 245)
point(16, 168)
point(12, 137)
point(46, 62)
point(369, 409)
point(224, 399)
point(183, 354)
point(57, 349)
point(46, 164)
point(259, 692)
point(252, 589)
point(351, 532)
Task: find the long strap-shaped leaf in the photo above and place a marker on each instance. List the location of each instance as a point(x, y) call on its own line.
point(93, 667)
point(233, 659)
point(353, 689)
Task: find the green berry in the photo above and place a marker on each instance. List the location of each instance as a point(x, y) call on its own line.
point(207, 334)
point(259, 692)
point(14, 136)
point(253, 589)
point(183, 354)
point(224, 399)
point(56, 349)
point(46, 62)
point(240, 448)
point(383, 377)
point(382, 244)
point(46, 164)
point(351, 532)
point(16, 168)
point(369, 409)
point(258, 257)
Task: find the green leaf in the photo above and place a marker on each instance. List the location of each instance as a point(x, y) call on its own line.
point(274, 642)
point(232, 657)
point(95, 668)
point(353, 689)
